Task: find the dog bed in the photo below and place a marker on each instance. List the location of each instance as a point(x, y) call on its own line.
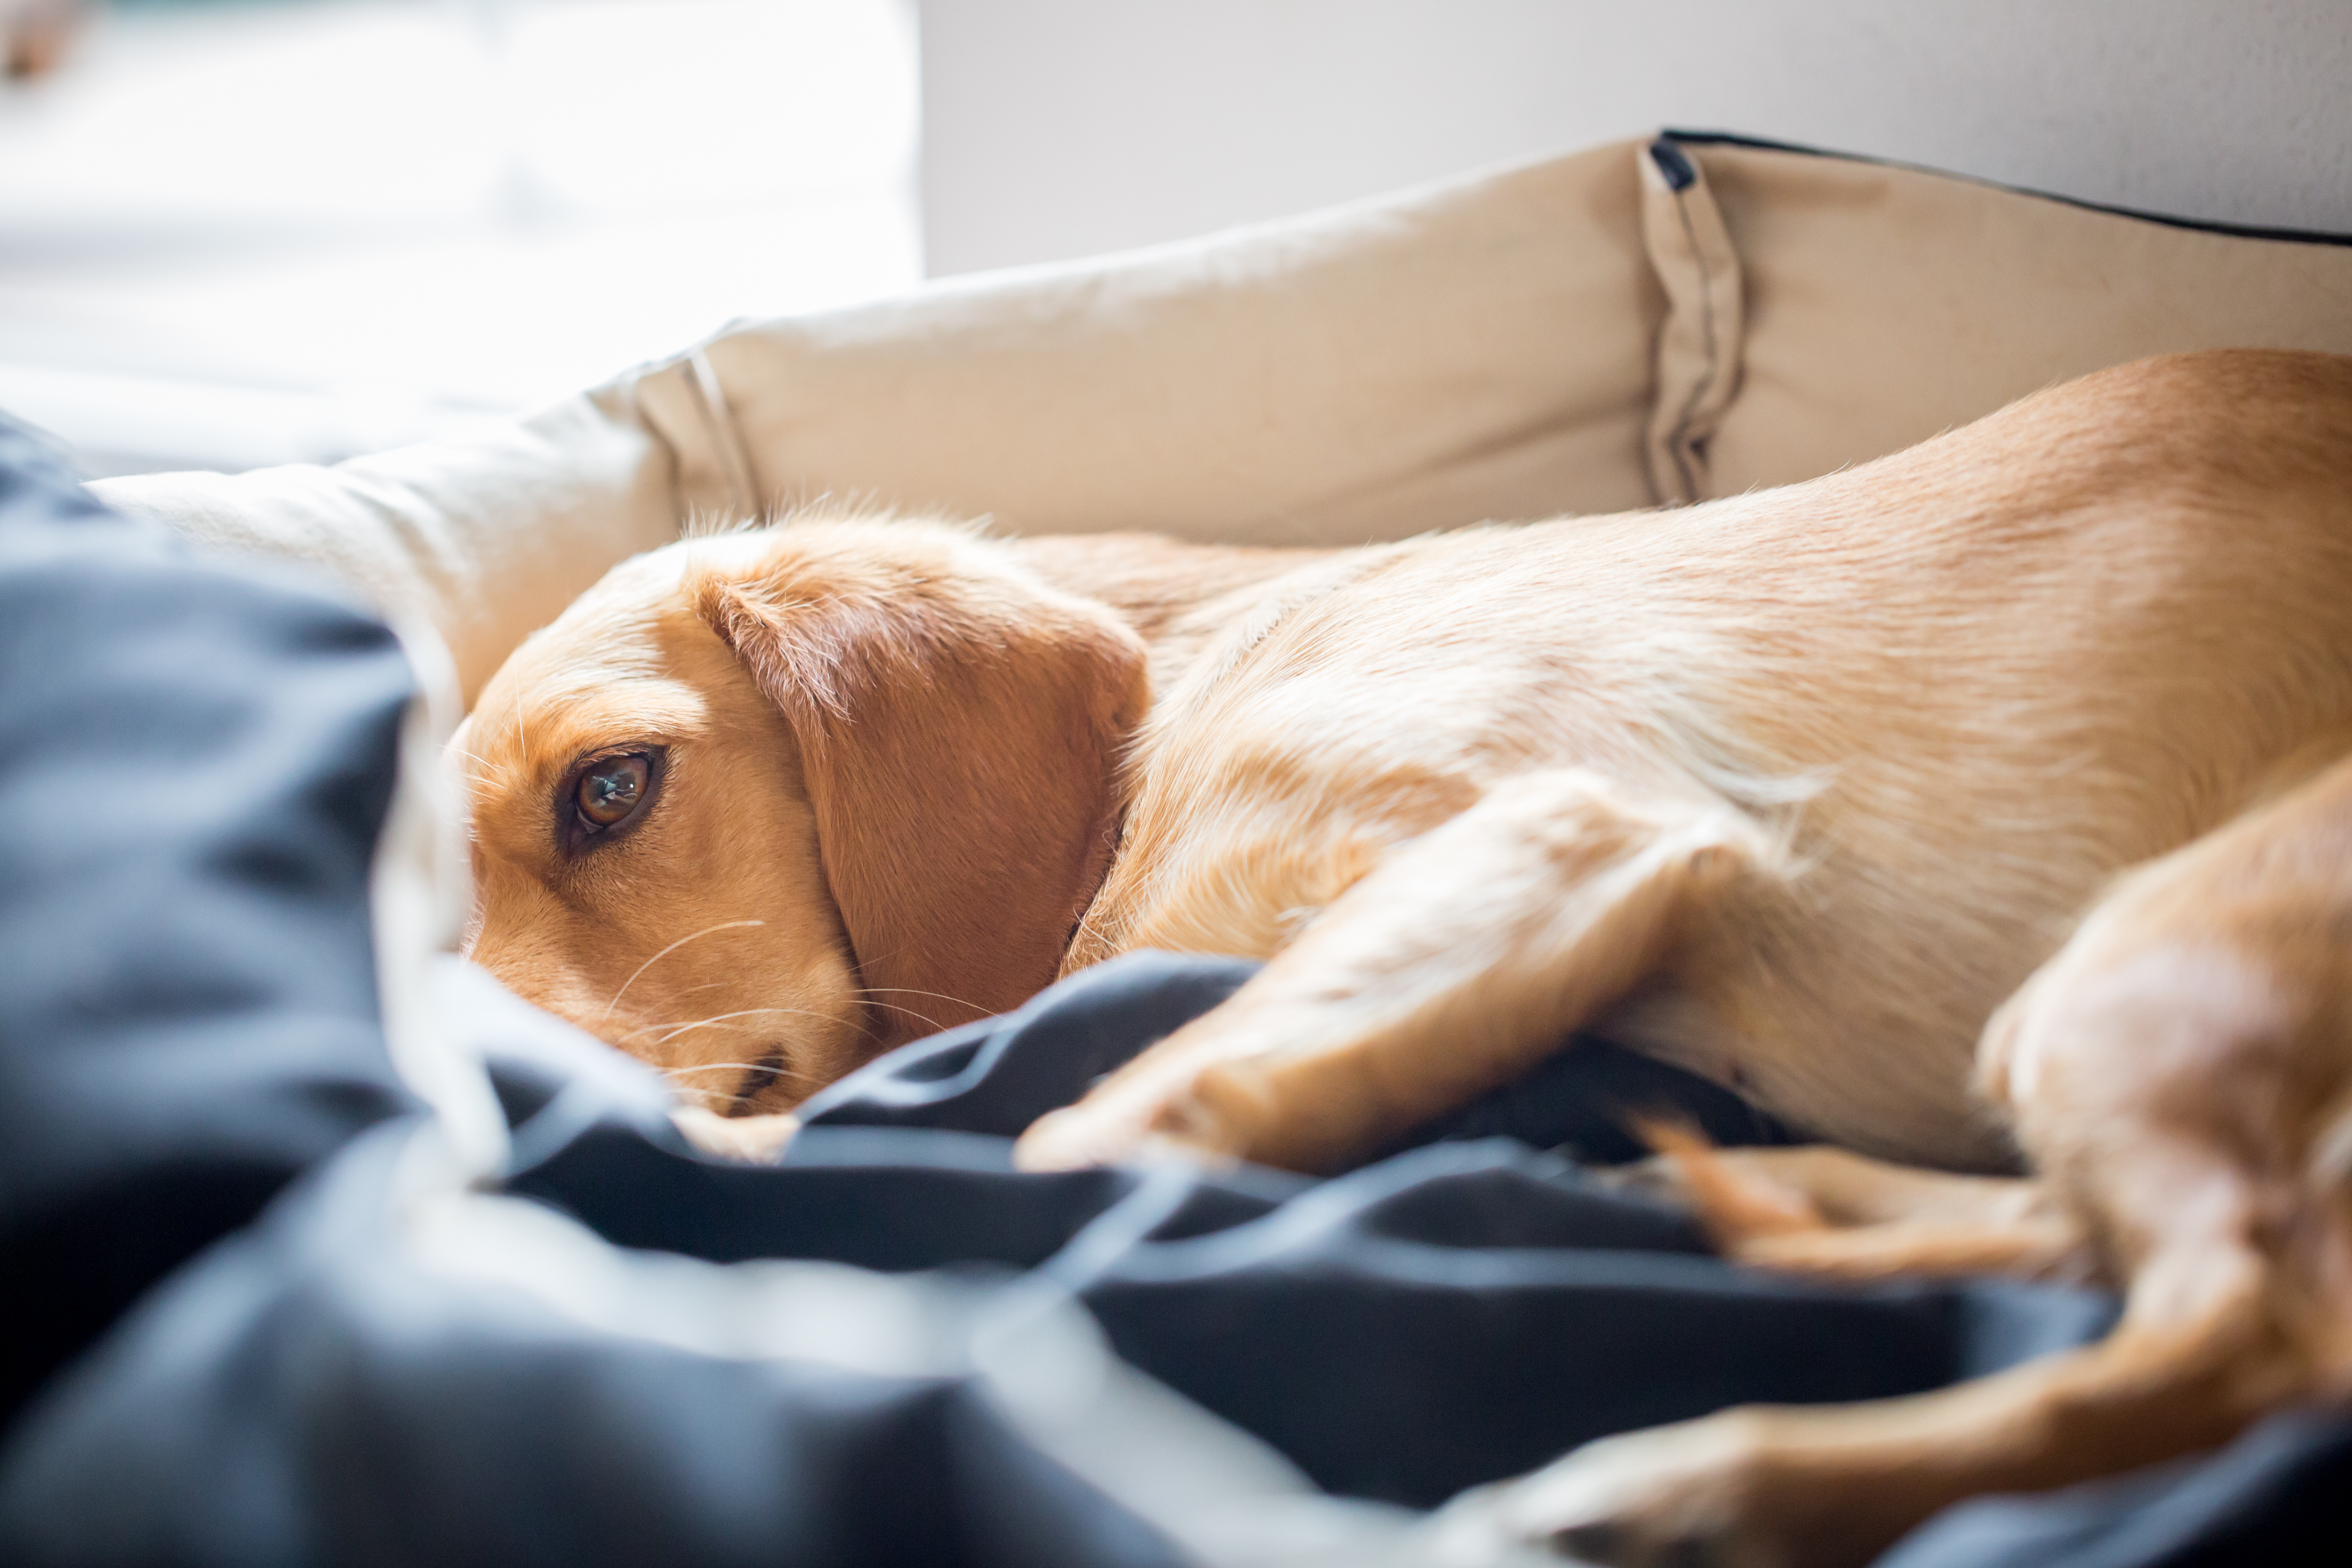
point(321, 1247)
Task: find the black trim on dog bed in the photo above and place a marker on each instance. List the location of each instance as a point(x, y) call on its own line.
point(2169, 220)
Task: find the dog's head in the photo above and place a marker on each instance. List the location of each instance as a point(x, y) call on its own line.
point(763, 804)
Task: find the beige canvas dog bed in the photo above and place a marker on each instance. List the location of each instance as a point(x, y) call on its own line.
point(1647, 322)
point(1628, 326)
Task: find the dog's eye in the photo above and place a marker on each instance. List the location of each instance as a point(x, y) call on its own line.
point(610, 790)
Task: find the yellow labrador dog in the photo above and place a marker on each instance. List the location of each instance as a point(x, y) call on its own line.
point(1991, 795)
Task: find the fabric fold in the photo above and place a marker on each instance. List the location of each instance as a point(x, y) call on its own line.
point(1699, 342)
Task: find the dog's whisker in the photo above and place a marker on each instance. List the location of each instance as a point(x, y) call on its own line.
point(665, 953)
point(716, 1020)
point(911, 991)
point(767, 1066)
point(522, 733)
point(680, 1026)
point(776, 1068)
point(498, 768)
point(677, 1026)
point(919, 1017)
point(1087, 925)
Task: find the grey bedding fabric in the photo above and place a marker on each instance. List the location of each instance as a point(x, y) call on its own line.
point(230, 1345)
point(194, 763)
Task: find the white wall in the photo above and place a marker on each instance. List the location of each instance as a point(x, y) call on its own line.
point(1055, 127)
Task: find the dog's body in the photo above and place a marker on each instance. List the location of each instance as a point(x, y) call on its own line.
point(1795, 789)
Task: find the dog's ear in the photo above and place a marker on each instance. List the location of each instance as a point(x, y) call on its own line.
point(960, 727)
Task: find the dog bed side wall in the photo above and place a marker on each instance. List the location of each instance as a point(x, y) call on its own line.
point(1472, 350)
point(1637, 324)
point(1885, 304)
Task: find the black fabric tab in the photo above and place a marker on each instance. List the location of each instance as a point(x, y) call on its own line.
point(1672, 164)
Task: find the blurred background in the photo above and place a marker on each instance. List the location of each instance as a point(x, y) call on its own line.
point(235, 233)
point(242, 232)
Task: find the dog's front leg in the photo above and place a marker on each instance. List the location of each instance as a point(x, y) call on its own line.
point(1460, 960)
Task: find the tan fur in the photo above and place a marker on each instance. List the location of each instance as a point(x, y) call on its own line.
point(1796, 789)
point(893, 780)
point(2181, 1074)
point(958, 729)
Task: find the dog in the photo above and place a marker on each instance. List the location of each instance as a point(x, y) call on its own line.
point(1984, 807)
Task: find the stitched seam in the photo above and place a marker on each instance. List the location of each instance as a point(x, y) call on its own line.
point(1677, 437)
point(652, 426)
point(734, 459)
point(712, 450)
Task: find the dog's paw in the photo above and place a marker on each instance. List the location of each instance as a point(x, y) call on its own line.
point(1075, 1137)
point(746, 1139)
point(1124, 1126)
point(1692, 1495)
